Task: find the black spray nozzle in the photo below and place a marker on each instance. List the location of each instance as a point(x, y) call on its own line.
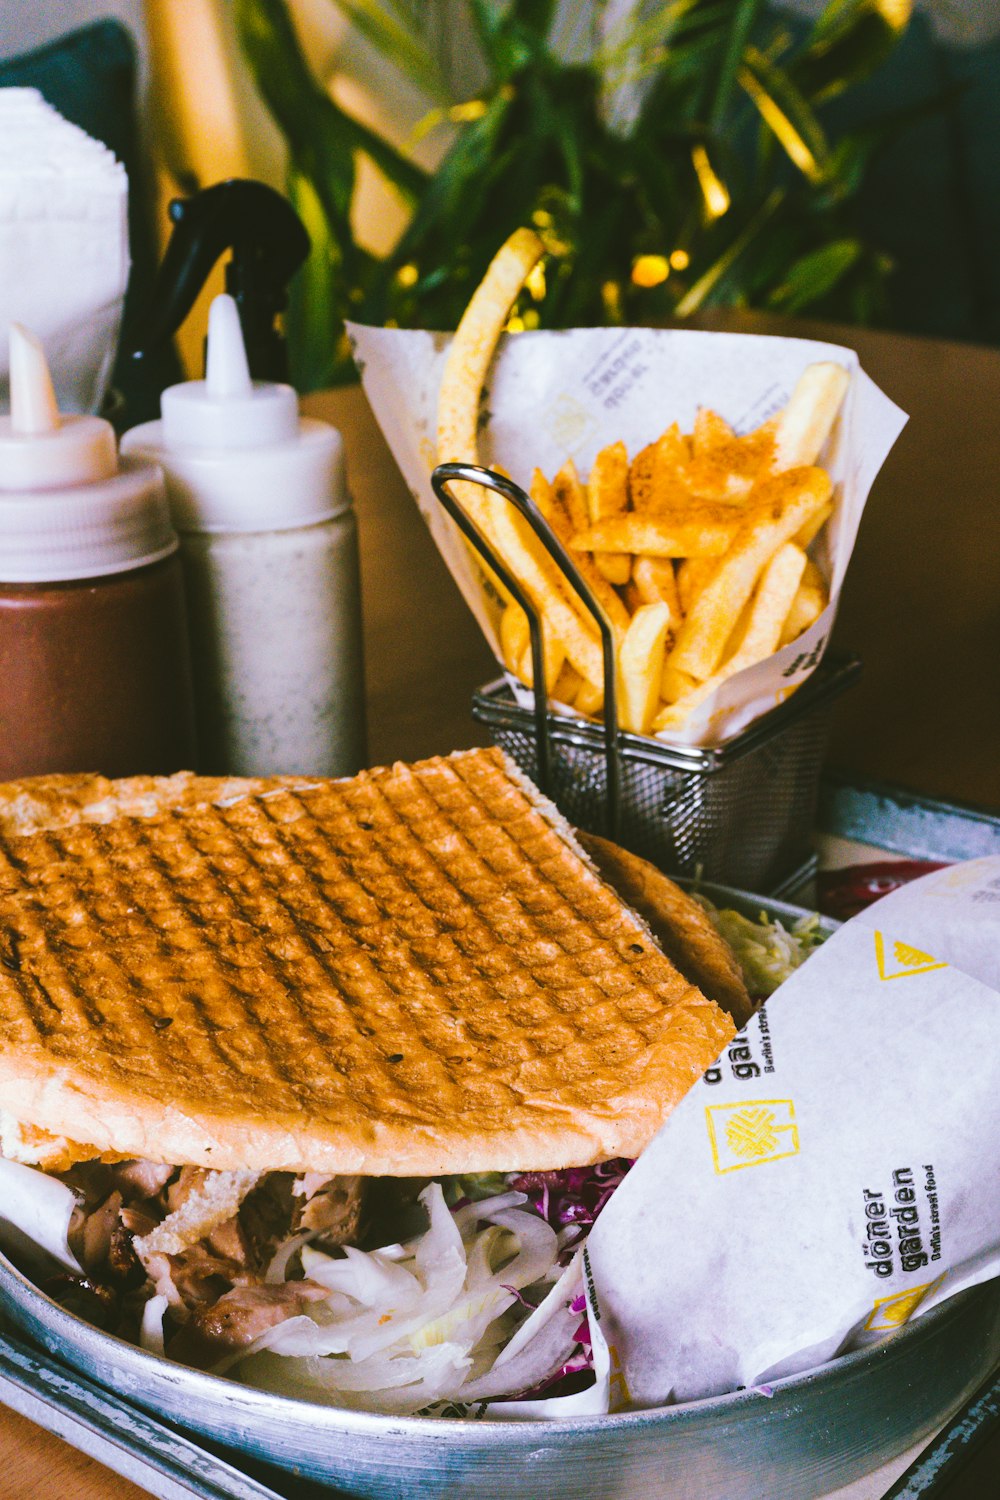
point(268, 242)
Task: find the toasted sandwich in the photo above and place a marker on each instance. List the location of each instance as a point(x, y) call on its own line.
point(326, 1063)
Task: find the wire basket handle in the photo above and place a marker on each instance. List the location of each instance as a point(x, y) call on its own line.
point(442, 477)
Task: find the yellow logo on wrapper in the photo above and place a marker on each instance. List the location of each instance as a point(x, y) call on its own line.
point(902, 959)
point(892, 1312)
point(619, 1395)
point(568, 421)
point(751, 1132)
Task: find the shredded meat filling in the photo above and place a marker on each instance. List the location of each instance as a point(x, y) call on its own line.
point(219, 1301)
point(237, 1318)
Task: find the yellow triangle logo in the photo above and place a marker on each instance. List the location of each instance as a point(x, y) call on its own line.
point(897, 960)
point(893, 1312)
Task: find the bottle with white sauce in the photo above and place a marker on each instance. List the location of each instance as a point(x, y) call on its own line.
point(269, 545)
point(95, 672)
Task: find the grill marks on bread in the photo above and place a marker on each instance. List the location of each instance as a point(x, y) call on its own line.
point(401, 972)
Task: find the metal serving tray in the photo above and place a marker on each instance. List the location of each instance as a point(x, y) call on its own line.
point(814, 1433)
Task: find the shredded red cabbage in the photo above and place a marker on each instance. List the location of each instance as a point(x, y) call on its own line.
point(571, 1199)
point(573, 1196)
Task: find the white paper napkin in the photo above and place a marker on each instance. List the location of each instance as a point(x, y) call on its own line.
point(64, 256)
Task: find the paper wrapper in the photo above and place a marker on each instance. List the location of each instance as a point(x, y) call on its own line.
point(554, 396)
point(835, 1175)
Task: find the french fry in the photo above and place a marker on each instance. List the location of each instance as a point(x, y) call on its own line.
point(805, 423)
point(692, 576)
point(640, 665)
point(541, 492)
point(599, 586)
point(468, 360)
point(810, 600)
point(705, 533)
point(554, 658)
point(710, 434)
point(458, 416)
point(589, 698)
point(632, 598)
point(567, 685)
point(572, 495)
point(654, 481)
point(515, 646)
point(812, 528)
point(787, 503)
point(515, 636)
point(548, 591)
point(653, 579)
point(811, 575)
point(607, 496)
point(778, 585)
point(674, 684)
point(724, 467)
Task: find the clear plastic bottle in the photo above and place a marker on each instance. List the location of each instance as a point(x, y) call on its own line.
point(269, 543)
point(95, 672)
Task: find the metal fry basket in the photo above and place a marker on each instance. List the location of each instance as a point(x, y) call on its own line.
point(741, 813)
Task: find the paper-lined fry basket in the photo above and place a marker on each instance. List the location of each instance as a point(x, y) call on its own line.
point(553, 396)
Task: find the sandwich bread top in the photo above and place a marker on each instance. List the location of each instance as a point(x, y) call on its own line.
point(412, 972)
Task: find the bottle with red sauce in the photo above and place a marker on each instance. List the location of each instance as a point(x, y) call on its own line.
point(95, 672)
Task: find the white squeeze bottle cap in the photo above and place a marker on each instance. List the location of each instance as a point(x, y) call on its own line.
point(66, 508)
point(237, 455)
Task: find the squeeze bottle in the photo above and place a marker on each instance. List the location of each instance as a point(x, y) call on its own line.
point(94, 664)
point(269, 545)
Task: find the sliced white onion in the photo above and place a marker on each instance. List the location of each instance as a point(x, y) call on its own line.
point(537, 1247)
point(394, 1388)
point(470, 1214)
point(40, 1207)
point(151, 1327)
point(539, 1347)
point(368, 1277)
point(277, 1270)
point(413, 1324)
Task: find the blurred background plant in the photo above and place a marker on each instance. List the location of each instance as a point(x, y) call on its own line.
point(676, 156)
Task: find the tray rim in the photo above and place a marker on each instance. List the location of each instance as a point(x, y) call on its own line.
point(59, 1321)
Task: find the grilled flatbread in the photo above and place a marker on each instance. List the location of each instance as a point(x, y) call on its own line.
point(412, 972)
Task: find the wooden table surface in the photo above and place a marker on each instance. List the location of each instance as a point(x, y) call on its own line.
point(921, 605)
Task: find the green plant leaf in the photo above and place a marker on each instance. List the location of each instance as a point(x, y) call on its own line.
point(315, 295)
point(722, 77)
point(786, 114)
point(740, 28)
point(446, 198)
point(321, 135)
point(850, 42)
point(389, 28)
point(701, 293)
point(813, 275)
